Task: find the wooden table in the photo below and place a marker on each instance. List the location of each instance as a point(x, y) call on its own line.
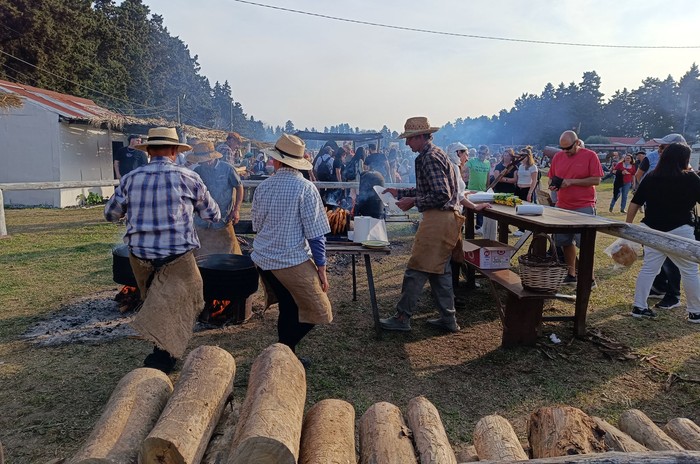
point(356, 249)
point(554, 220)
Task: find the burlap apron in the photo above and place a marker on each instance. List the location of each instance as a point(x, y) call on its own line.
point(435, 240)
point(303, 284)
point(217, 241)
point(172, 299)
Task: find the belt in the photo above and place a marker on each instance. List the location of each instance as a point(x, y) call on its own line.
point(160, 262)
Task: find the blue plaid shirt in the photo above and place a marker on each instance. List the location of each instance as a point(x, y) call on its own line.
point(287, 210)
point(221, 179)
point(159, 201)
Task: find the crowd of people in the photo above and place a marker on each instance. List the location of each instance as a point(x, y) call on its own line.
point(185, 201)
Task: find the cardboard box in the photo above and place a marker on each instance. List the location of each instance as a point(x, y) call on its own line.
point(488, 254)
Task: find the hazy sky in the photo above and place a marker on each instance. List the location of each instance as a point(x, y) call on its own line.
point(321, 72)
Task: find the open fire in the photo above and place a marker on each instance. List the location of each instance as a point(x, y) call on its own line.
point(128, 299)
point(217, 312)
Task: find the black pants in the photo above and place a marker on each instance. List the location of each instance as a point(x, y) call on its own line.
point(289, 330)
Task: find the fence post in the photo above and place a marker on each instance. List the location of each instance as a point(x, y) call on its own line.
point(3, 227)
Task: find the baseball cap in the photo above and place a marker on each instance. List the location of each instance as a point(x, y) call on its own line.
point(671, 138)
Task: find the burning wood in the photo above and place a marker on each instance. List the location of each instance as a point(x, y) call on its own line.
point(129, 299)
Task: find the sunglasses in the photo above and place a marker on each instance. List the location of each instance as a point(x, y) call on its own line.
point(461, 151)
point(570, 146)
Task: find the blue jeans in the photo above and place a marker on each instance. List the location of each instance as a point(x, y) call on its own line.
point(624, 190)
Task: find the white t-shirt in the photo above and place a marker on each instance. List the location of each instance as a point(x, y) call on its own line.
point(525, 175)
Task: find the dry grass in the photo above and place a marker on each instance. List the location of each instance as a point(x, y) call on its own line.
point(50, 397)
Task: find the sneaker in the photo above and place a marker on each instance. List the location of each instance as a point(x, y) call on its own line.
point(449, 326)
point(161, 360)
point(610, 210)
point(623, 211)
point(518, 233)
point(655, 294)
point(694, 318)
point(594, 285)
point(640, 313)
point(400, 322)
point(668, 303)
point(478, 231)
point(570, 280)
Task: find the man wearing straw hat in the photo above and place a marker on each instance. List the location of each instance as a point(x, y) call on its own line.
point(224, 185)
point(159, 201)
point(290, 247)
point(437, 196)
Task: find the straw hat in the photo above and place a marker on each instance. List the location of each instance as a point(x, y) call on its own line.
point(289, 150)
point(203, 151)
point(416, 126)
point(163, 136)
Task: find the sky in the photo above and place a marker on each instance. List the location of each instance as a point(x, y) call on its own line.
point(320, 72)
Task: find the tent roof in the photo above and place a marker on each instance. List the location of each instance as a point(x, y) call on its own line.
point(335, 136)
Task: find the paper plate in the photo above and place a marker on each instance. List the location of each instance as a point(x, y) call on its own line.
point(375, 244)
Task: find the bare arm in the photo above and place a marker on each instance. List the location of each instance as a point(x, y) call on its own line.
point(116, 169)
point(631, 212)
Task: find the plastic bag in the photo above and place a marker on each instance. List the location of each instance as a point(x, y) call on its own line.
point(624, 252)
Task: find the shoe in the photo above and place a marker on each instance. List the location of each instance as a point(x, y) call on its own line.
point(518, 233)
point(570, 280)
point(640, 313)
point(161, 360)
point(400, 322)
point(623, 211)
point(668, 303)
point(655, 295)
point(610, 210)
point(439, 323)
point(306, 362)
point(694, 318)
point(594, 285)
point(478, 231)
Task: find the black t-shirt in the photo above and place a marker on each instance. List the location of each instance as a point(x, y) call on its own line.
point(337, 164)
point(669, 201)
point(504, 187)
point(644, 164)
point(130, 159)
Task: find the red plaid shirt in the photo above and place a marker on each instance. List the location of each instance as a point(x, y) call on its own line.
point(436, 181)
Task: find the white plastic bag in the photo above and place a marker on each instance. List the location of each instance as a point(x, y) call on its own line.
point(624, 252)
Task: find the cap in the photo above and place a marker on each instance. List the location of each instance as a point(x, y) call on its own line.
point(671, 138)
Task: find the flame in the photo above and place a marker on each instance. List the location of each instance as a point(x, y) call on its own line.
point(218, 307)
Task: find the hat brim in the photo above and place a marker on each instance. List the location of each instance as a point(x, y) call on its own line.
point(408, 134)
point(199, 158)
point(160, 143)
point(297, 163)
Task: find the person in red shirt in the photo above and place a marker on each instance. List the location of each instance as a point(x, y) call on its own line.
point(624, 176)
point(574, 173)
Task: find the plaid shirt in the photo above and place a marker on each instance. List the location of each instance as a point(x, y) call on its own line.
point(231, 157)
point(221, 180)
point(159, 201)
point(436, 181)
point(287, 210)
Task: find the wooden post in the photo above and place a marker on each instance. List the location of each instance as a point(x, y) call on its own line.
point(495, 439)
point(638, 426)
point(384, 436)
point(328, 434)
point(617, 457)
point(617, 440)
point(522, 321)
point(3, 226)
point(129, 415)
point(685, 432)
point(428, 433)
point(563, 431)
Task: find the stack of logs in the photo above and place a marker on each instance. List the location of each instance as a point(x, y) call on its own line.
point(148, 419)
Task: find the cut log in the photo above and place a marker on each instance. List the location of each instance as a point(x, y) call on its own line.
point(269, 427)
point(429, 435)
point(638, 426)
point(617, 440)
point(384, 436)
point(220, 443)
point(617, 457)
point(495, 439)
point(128, 417)
point(328, 434)
point(685, 432)
point(563, 431)
point(183, 431)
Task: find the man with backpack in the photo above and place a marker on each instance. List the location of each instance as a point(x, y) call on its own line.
point(323, 166)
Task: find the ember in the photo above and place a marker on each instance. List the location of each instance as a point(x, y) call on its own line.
point(129, 299)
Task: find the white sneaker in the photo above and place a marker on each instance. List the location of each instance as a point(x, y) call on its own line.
point(478, 231)
point(518, 233)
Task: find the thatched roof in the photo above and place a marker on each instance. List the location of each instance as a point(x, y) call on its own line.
point(9, 100)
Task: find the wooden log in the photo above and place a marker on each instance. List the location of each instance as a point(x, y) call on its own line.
point(384, 436)
point(495, 439)
point(2, 453)
point(563, 431)
point(617, 457)
point(129, 415)
point(617, 440)
point(685, 432)
point(468, 455)
point(662, 241)
point(638, 426)
point(429, 435)
point(269, 427)
point(220, 443)
point(328, 434)
point(183, 431)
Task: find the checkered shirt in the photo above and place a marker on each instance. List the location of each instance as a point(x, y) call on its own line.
point(436, 181)
point(221, 180)
point(287, 210)
point(159, 201)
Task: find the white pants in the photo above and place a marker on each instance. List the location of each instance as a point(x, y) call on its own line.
point(653, 259)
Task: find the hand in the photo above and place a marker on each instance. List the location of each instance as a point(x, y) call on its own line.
point(567, 183)
point(394, 192)
point(235, 216)
point(529, 197)
point(482, 206)
point(406, 203)
point(323, 278)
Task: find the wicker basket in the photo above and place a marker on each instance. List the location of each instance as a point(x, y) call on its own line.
point(542, 273)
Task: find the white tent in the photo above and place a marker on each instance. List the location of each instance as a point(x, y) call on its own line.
point(50, 139)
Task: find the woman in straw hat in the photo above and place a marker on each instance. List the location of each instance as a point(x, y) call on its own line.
point(159, 201)
point(289, 248)
point(224, 184)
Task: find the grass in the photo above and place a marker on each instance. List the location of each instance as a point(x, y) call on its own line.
point(50, 397)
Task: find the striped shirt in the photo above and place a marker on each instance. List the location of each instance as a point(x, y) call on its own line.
point(287, 211)
point(159, 201)
point(436, 181)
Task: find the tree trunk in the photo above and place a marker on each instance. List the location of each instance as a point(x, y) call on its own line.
point(428, 432)
point(328, 434)
point(220, 443)
point(617, 440)
point(616, 457)
point(128, 416)
point(563, 431)
point(495, 439)
point(638, 426)
point(183, 431)
point(269, 427)
point(384, 436)
point(685, 432)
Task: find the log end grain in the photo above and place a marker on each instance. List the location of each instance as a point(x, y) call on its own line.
point(685, 432)
point(328, 434)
